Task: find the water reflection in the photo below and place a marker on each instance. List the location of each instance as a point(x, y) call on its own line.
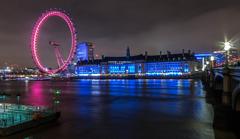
point(35, 94)
point(39, 92)
point(140, 87)
point(172, 97)
point(125, 108)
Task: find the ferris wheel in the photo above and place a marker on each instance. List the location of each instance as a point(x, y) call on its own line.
point(61, 62)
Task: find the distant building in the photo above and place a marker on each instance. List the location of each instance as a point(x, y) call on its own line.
point(203, 58)
point(233, 57)
point(85, 51)
point(182, 64)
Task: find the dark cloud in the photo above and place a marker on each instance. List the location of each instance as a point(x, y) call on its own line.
point(145, 25)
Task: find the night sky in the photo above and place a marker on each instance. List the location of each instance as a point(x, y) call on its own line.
point(112, 25)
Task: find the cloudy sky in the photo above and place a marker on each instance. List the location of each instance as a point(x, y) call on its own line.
point(144, 25)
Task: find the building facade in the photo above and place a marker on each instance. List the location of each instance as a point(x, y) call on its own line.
point(85, 51)
point(183, 64)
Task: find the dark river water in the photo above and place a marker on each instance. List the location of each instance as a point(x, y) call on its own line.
point(120, 109)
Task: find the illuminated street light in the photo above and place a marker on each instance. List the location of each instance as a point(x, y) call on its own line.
point(227, 46)
point(212, 61)
point(212, 58)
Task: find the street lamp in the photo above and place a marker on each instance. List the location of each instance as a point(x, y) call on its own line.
point(212, 61)
point(226, 97)
point(227, 46)
point(212, 58)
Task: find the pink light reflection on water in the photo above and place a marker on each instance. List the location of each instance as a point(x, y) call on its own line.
point(37, 94)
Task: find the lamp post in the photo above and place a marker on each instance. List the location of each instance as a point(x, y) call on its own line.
point(211, 76)
point(226, 96)
point(212, 61)
point(227, 46)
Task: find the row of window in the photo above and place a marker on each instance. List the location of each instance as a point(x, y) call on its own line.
point(161, 67)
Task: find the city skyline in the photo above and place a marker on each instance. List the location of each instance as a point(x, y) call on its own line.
point(113, 25)
point(134, 69)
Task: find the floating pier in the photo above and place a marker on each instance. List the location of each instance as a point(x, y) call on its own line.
point(15, 118)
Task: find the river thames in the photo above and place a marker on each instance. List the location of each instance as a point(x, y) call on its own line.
point(121, 109)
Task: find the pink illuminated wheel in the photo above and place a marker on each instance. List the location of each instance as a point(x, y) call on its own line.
point(34, 41)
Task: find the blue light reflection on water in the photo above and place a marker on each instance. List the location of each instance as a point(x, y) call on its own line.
point(119, 87)
point(125, 103)
point(172, 97)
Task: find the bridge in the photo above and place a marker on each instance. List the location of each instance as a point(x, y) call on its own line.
point(227, 81)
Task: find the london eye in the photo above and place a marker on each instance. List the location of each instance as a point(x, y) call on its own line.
point(61, 62)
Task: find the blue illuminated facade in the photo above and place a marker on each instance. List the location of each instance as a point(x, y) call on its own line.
point(140, 66)
point(147, 69)
point(88, 70)
point(167, 68)
point(121, 69)
point(84, 51)
point(202, 56)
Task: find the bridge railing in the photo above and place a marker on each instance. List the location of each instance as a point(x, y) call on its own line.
point(233, 70)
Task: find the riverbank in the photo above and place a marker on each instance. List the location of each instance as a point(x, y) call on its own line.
point(197, 75)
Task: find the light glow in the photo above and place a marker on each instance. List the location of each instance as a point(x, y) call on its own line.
point(212, 58)
point(227, 46)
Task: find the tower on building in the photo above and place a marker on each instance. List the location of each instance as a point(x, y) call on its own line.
point(85, 51)
point(128, 52)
